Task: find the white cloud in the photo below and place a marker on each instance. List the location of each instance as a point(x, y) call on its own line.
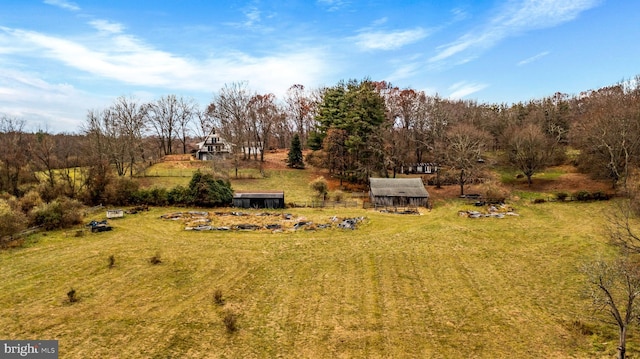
point(513, 19)
point(55, 107)
point(127, 59)
point(463, 89)
point(107, 27)
point(67, 5)
point(333, 5)
point(533, 58)
point(253, 16)
point(380, 40)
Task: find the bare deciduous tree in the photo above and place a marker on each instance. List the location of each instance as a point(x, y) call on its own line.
point(465, 145)
point(528, 149)
point(613, 288)
point(609, 132)
point(230, 111)
point(13, 154)
point(264, 114)
point(170, 117)
point(300, 109)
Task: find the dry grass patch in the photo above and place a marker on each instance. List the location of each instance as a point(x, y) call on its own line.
point(434, 285)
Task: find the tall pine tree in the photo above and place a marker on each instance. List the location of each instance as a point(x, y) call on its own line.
point(295, 160)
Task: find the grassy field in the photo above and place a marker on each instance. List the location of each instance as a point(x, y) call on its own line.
point(430, 286)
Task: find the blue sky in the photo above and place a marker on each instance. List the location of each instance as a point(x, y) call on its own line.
point(60, 58)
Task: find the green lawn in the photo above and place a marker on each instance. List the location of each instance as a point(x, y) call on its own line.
point(429, 286)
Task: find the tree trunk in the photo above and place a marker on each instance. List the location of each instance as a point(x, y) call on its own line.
point(461, 182)
point(622, 348)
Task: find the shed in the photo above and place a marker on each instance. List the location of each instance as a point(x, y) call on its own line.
point(263, 199)
point(115, 213)
point(398, 192)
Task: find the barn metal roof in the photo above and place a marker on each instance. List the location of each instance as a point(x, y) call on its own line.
point(398, 187)
point(262, 194)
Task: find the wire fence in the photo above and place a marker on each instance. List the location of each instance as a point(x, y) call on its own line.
point(324, 204)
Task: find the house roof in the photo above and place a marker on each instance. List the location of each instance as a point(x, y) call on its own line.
point(262, 194)
point(398, 187)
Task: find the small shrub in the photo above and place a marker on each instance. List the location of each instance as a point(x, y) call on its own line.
point(155, 259)
point(178, 195)
point(112, 261)
point(71, 295)
point(582, 196)
point(581, 328)
point(230, 321)
point(320, 186)
point(11, 221)
point(79, 233)
point(562, 196)
point(539, 200)
point(60, 213)
point(600, 196)
point(217, 297)
point(30, 200)
point(338, 196)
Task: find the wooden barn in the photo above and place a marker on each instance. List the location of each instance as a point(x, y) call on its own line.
point(263, 199)
point(398, 192)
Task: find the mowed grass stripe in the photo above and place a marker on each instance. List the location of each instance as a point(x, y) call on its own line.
point(435, 285)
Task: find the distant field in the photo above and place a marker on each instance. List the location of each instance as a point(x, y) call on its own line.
point(295, 183)
point(429, 286)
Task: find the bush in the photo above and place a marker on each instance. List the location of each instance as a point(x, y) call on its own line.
point(11, 221)
point(320, 186)
point(217, 297)
point(121, 191)
point(30, 200)
point(155, 259)
point(539, 200)
point(155, 196)
point(178, 195)
point(582, 196)
point(71, 295)
point(60, 213)
point(600, 196)
point(494, 192)
point(112, 261)
point(562, 196)
point(230, 321)
point(207, 191)
point(338, 196)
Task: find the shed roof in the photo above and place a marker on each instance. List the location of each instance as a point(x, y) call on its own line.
point(262, 194)
point(398, 187)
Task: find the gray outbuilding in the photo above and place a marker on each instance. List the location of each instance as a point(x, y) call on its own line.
point(398, 192)
point(262, 199)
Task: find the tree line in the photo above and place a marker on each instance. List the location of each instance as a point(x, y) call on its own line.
point(355, 129)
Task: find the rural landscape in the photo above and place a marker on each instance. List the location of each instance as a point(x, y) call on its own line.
point(125, 239)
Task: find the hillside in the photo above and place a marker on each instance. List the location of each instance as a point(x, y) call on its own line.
point(429, 285)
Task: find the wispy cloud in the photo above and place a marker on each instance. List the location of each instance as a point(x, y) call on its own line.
point(127, 59)
point(380, 40)
point(333, 5)
point(63, 4)
point(252, 15)
point(107, 27)
point(513, 19)
point(61, 107)
point(463, 89)
point(533, 58)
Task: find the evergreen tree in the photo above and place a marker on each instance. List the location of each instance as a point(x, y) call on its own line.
point(295, 160)
point(207, 191)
